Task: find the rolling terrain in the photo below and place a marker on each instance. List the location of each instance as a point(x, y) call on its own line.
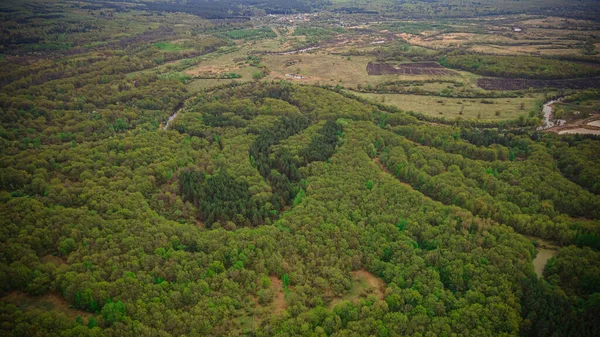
point(299, 168)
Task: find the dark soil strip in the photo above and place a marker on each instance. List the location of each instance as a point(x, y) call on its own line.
point(424, 68)
point(490, 83)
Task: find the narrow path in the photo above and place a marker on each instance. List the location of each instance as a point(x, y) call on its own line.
point(385, 170)
point(276, 31)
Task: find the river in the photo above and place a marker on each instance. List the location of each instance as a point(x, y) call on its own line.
point(171, 118)
point(548, 121)
point(577, 127)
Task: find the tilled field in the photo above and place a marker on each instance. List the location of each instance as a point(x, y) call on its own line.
point(490, 83)
point(422, 68)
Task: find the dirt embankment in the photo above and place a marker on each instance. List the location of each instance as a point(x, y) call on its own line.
point(588, 126)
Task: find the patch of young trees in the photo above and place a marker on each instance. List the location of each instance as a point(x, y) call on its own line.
point(519, 66)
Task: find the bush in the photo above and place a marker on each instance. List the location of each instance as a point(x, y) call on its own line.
point(113, 312)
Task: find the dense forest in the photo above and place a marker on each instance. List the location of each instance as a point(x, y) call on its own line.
point(135, 204)
point(302, 184)
point(519, 66)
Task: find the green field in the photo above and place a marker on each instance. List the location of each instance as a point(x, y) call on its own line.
point(252, 34)
point(166, 46)
point(451, 108)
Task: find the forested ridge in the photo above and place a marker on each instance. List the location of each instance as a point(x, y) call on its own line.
point(521, 66)
point(136, 202)
point(182, 231)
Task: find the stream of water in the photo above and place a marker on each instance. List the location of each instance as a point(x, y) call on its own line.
point(172, 117)
point(549, 122)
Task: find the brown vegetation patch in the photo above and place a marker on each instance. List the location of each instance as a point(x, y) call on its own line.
point(200, 224)
point(524, 84)
point(375, 283)
point(209, 70)
point(363, 284)
point(437, 41)
point(421, 68)
point(177, 41)
point(56, 260)
point(46, 303)
point(554, 22)
point(279, 297)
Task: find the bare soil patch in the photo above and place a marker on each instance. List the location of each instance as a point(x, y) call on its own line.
point(421, 68)
point(581, 131)
point(594, 123)
point(541, 259)
point(279, 299)
point(496, 83)
point(56, 260)
point(587, 126)
point(375, 283)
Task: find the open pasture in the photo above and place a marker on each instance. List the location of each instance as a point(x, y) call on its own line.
point(470, 108)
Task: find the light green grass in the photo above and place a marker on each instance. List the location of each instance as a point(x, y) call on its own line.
point(167, 46)
point(350, 72)
point(472, 108)
point(252, 34)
